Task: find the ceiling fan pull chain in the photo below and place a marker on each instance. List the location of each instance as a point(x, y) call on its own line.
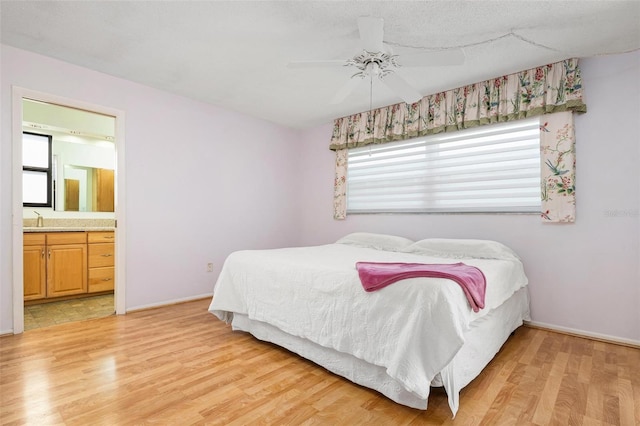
point(370, 107)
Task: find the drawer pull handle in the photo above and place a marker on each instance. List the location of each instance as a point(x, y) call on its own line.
point(107, 255)
point(106, 279)
point(108, 237)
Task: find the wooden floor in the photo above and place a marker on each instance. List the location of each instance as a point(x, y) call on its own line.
point(180, 365)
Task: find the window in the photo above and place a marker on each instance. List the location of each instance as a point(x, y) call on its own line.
point(36, 170)
point(492, 168)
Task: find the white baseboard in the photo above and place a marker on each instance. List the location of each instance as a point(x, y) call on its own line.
point(587, 334)
point(169, 302)
point(6, 332)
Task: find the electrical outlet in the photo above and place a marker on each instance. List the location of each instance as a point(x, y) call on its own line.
point(209, 267)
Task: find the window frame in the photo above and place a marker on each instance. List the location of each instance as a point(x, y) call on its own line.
point(47, 170)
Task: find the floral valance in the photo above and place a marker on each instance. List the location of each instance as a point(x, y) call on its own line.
point(542, 90)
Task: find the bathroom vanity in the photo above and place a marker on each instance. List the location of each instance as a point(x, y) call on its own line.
point(64, 263)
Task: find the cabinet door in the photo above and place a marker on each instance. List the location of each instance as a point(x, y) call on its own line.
point(103, 191)
point(35, 271)
point(66, 269)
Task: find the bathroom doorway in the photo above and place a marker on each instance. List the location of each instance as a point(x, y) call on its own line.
point(79, 148)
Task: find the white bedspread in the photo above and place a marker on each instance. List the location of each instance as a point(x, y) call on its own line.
point(412, 328)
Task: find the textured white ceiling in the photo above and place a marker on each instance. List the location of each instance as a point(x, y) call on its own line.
point(235, 53)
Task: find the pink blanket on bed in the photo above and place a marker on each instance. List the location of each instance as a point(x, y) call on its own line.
point(376, 275)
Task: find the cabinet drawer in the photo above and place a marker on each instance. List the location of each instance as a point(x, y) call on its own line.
point(101, 279)
point(101, 255)
point(66, 238)
point(34, 238)
point(101, 237)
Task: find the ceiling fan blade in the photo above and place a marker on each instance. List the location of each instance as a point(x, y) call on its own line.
point(346, 90)
point(434, 58)
point(330, 63)
point(401, 88)
point(371, 33)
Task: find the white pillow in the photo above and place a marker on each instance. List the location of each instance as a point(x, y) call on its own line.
point(376, 241)
point(459, 248)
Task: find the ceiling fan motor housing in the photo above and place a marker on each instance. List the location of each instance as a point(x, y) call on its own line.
point(373, 63)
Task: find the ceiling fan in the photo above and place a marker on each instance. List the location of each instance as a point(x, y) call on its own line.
point(377, 60)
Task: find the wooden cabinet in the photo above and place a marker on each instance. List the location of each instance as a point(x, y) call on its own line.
point(35, 266)
point(67, 264)
point(101, 261)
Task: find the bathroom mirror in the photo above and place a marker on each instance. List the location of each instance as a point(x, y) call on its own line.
point(83, 175)
point(82, 168)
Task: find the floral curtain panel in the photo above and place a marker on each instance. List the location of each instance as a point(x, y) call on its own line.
point(552, 88)
point(558, 167)
point(340, 186)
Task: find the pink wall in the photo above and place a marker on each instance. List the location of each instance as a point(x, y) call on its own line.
point(584, 276)
point(201, 181)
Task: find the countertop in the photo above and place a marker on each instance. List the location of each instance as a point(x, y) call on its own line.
point(69, 225)
point(67, 228)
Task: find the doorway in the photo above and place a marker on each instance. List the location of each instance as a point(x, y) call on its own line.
point(20, 95)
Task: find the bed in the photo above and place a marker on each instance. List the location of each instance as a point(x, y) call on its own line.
point(399, 340)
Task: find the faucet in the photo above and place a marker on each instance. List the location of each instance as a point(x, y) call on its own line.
point(40, 220)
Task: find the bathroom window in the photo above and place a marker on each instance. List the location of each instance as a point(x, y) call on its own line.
point(36, 170)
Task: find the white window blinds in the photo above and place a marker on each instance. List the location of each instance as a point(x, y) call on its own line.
point(492, 168)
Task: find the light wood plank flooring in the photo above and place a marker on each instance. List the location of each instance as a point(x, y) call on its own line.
point(179, 365)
